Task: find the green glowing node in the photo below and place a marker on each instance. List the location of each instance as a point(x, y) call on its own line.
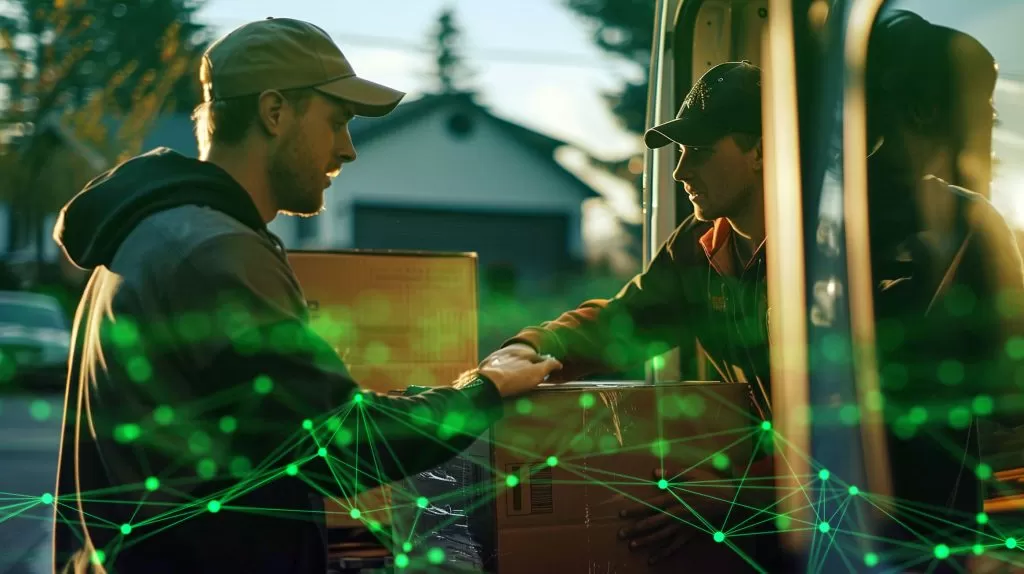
point(127, 432)
point(47, 498)
point(942, 551)
point(199, 443)
point(663, 484)
point(978, 549)
point(206, 469)
point(126, 529)
point(951, 372)
point(355, 514)
point(228, 424)
point(824, 527)
point(1011, 543)
point(99, 557)
point(720, 461)
point(239, 466)
point(719, 536)
point(766, 426)
point(124, 333)
point(849, 415)
point(552, 460)
point(982, 405)
point(871, 559)
point(660, 447)
point(511, 480)
point(524, 406)
point(1015, 348)
point(152, 483)
point(401, 561)
point(918, 415)
point(374, 526)
point(292, 469)
point(959, 417)
point(213, 506)
point(981, 518)
point(307, 425)
point(658, 363)
point(163, 415)
point(262, 385)
point(321, 452)
point(854, 491)
point(139, 370)
point(343, 437)
point(783, 522)
point(984, 471)
point(358, 399)
point(435, 556)
point(587, 400)
point(422, 502)
point(407, 547)
point(823, 474)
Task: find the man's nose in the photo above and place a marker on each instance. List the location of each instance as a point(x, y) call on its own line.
point(346, 151)
point(682, 171)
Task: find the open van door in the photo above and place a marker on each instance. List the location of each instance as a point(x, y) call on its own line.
point(827, 406)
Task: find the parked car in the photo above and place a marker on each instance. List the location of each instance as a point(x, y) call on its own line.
point(34, 336)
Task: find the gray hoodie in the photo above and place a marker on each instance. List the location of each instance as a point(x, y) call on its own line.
point(193, 364)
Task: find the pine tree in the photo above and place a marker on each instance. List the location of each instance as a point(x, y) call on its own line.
point(451, 73)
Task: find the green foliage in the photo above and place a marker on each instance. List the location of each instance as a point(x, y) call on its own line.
point(624, 28)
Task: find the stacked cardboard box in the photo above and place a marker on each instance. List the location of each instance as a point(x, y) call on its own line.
point(606, 439)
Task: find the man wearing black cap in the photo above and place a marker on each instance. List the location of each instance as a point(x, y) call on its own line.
point(707, 281)
point(204, 420)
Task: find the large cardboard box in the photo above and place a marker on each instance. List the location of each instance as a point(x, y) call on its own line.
point(397, 318)
point(607, 439)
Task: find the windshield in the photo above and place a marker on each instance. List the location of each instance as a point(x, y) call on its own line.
point(26, 315)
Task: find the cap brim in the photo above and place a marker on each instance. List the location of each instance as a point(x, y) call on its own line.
point(680, 131)
point(368, 99)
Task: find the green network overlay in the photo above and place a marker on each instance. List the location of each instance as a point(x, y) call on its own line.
point(329, 438)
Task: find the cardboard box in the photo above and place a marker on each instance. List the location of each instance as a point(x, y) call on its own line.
point(397, 318)
point(607, 438)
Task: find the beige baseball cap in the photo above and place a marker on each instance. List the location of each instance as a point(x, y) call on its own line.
point(286, 54)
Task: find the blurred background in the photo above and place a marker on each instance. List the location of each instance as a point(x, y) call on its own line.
point(518, 140)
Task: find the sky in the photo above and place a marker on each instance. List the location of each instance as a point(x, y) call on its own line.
point(536, 64)
point(534, 60)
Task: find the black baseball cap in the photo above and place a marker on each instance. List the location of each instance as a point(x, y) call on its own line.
point(725, 100)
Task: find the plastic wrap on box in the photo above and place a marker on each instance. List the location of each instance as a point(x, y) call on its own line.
point(458, 518)
point(459, 515)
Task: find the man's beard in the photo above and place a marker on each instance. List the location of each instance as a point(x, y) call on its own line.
point(297, 190)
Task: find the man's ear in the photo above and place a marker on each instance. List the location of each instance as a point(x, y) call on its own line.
point(759, 154)
point(270, 112)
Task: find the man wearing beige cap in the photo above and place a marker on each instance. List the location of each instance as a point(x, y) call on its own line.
point(204, 420)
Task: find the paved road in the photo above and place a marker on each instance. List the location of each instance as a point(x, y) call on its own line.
point(28, 461)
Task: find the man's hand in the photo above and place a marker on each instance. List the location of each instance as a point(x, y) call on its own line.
point(515, 350)
point(665, 524)
point(517, 369)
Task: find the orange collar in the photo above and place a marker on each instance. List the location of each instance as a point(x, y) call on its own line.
point(715, 241)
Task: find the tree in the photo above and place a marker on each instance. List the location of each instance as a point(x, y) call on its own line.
point(451, 72)
point(82, 82)
point(624, 28)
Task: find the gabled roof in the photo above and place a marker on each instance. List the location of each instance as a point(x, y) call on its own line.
point(175, 130)
point(543, 146)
